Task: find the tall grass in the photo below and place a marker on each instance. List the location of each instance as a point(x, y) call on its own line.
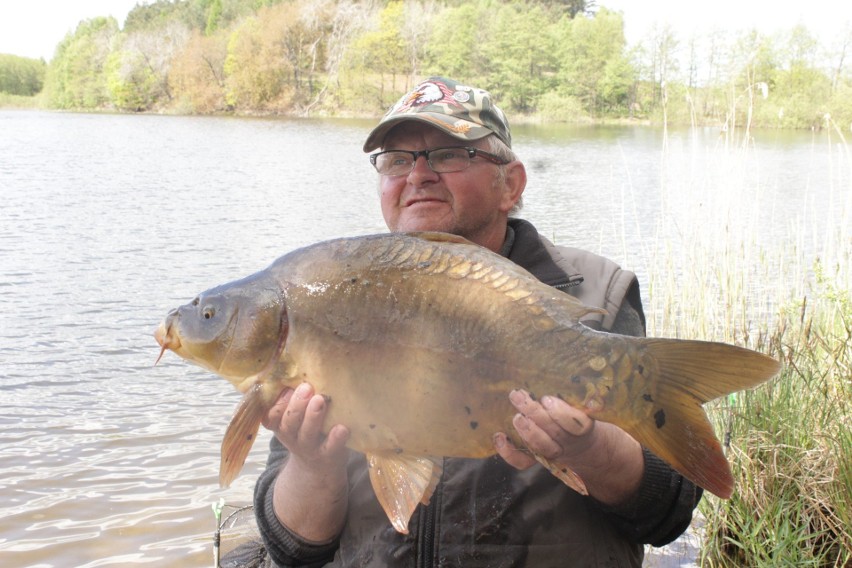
point(724, 269)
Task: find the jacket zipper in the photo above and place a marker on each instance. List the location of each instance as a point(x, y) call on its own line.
point(426, 531)
point(570, 283)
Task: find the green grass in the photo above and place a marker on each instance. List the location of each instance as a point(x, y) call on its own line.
point(789, 441)
point(791, 454)
point(17, 101)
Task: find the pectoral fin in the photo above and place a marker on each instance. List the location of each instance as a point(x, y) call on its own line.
point(401, 482)
point(241, 434)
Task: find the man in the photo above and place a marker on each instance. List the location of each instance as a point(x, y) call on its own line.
point(446, 164)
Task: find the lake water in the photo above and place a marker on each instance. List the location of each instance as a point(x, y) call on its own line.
point(108, 221)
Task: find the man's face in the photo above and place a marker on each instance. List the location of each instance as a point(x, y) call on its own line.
point(472, 203)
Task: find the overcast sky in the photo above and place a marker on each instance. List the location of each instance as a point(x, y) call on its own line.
point(33, 28)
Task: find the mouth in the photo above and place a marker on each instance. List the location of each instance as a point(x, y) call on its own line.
point(423, 200)
point(165, 339)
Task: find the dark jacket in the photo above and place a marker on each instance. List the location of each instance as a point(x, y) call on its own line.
point(485, 513)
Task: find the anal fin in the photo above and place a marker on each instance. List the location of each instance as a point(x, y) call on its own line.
point(401, 482)
point(567, 476)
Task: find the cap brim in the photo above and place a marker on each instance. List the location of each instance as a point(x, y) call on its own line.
point(459, 128)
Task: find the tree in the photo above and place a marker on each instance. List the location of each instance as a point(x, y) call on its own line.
point(21, 75)
point(252, 79)
point(455, 45)
point(523, 62)
point(347, 20)
point(214, 15)
point(138, 73)
point(842, 46)
point(592, 64)
point(76, 76)
point(572, 8)
point(299, 34)
point(197, 78)
point(383, 51)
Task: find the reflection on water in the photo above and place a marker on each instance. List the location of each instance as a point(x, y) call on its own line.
point(110, 221)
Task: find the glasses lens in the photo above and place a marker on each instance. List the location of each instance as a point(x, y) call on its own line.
point(445, 160)
point(394, 163)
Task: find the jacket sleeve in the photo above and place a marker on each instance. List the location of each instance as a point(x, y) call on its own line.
point(662, 508)
point(284, 547)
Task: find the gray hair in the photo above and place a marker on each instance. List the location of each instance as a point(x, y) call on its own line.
point(497, 147)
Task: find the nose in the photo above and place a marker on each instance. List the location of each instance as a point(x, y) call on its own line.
point(421, 171)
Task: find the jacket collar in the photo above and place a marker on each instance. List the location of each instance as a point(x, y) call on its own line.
point(527, 248)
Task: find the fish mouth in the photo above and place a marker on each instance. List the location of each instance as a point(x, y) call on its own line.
point(165, 338)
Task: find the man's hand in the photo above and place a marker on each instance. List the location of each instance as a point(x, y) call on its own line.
point(310, 493)
point(296, 419)
point(606, 458)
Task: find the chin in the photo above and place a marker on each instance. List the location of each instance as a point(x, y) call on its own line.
point(425, 223)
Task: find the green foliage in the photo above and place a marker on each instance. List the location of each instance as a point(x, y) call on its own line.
point(146, 16)
point(386, 44)
point(560, 108)
point(523, 64)
point(21, 75)
point(252, 79)
point(558, 59)
point(131, 84)
point(454, 48)
point(214, 15)
point(592, 64)
point(792, 450)
point(18, 101)
point(76, 76)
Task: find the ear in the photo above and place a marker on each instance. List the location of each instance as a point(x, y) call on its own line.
point(516, 181)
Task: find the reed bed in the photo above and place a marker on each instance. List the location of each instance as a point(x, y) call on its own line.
point(718, 273)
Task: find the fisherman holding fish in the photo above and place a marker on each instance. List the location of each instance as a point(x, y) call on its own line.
point(459, 391)
point(445, 163)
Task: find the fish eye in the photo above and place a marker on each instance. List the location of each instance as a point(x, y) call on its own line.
point(208, 312)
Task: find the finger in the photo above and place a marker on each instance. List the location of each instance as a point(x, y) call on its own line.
point(536, 439)
point(310, 431)
point(336, 440)
point(534, 411)
point(513, 456)
point(294, 414)
point(568, 418)
point(272, 419)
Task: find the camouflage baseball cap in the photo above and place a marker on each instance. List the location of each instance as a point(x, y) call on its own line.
point(461, 111)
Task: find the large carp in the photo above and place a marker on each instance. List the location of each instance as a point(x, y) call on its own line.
point(418, 339)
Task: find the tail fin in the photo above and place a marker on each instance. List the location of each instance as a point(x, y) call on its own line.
point(691, 373)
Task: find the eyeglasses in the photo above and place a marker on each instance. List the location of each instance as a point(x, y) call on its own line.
point(440, 160)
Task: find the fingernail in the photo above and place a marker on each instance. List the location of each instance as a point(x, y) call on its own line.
point(547, 402)
point(499, 441)
point(302, 390)
point(516, 396)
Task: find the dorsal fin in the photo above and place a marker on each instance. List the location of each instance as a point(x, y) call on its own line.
point(440, 237)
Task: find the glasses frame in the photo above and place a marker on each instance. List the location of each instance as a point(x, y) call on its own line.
point(471, 153)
